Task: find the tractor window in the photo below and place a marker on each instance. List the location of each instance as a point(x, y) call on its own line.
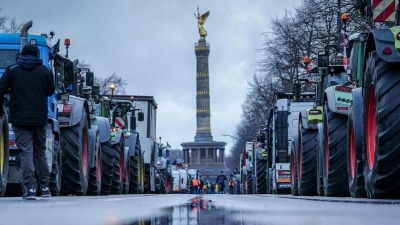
point(7, 57)
point(59, 71)
point(353, 59)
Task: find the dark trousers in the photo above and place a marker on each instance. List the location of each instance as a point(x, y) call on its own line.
point(31, 141)
point(221, 187)
point(230, 189)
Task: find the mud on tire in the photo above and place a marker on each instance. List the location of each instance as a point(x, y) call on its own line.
point(381, 104)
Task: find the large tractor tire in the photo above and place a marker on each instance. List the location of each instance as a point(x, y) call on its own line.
point(382, 110)
point(106, 167)
point(136, 171)
point(261, 176)
point(320, 160)
point(335, 154)
point(56, 169)
point(166, 182)
point(249, 178)
point(146, 179)
point(126, 175)
point(4, 155)
point(307, 161)
point(118, 167)
point(95, 172)
point(355, 146)
point(75, 159)
point(293, 169)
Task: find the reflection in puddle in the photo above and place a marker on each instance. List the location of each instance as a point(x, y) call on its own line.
point(197, 212)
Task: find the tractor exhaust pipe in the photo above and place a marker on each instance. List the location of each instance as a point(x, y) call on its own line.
point(24, 33)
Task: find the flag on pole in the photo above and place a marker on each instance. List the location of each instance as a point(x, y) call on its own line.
point(55, 49)
point(168, 146)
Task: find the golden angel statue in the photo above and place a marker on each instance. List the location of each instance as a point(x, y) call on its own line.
point(200, 22)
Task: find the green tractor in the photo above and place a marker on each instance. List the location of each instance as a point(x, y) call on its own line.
point(373, 123)
point(124, 117)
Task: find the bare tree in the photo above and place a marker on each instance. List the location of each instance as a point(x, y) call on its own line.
point(9, 24)
point(105, 83)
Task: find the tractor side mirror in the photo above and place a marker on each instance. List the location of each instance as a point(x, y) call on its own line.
point(140, 116)
point(96, 89)
point(89, 79)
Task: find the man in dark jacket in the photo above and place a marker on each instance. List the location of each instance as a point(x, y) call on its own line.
point(30, 83)
point(221, 182)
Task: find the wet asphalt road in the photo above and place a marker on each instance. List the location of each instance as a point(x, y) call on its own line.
point(205, 209)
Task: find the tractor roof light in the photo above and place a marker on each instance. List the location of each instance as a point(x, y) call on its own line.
point(67, 42)
point(345, 17)
point(306, 60)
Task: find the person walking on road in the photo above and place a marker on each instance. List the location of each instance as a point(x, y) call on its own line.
point(201, 185)
point(30, 83)
point(196, 184)
point(221, 181)
point(231, 184)
point(208, 187)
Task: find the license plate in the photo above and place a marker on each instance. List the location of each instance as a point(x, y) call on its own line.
point(315, 79)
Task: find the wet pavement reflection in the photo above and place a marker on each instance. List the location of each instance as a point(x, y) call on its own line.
point(197, 212)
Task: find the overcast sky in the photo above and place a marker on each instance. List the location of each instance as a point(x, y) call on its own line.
point(150, 43)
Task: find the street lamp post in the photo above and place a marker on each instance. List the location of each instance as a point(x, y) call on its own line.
point(112, 87)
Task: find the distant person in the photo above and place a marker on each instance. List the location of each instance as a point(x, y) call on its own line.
point(196, 184)
point(212, 188)
point(201, 185)
point(191, 186)
point(30, 84)
point(221, 181)
point(208, 187)
point(231, 184)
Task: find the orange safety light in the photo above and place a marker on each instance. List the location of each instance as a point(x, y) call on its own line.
point(132, 98)
point(345, 17)
point(67, 42)
point(306, 60)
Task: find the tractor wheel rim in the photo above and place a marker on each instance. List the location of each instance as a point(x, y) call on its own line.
point(326, 146)
point(352, 153)
point(371, 127)
point(169, 181)
point(2, 152)
point(98, 164)
point(84, 151)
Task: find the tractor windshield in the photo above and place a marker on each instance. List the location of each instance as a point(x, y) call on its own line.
point(7, 57)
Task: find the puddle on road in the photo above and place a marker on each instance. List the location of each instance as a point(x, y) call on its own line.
point(197, 212)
